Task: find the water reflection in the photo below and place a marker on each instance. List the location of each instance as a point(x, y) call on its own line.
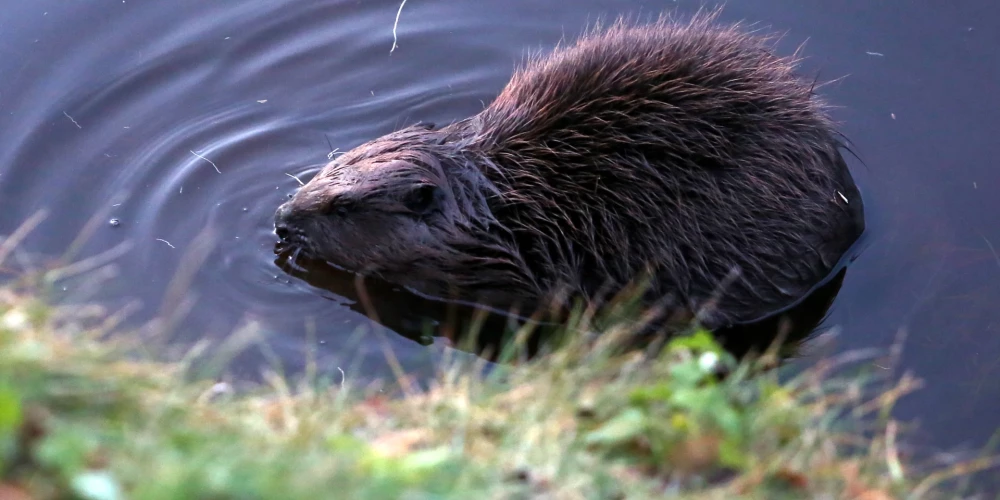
point(421, 319)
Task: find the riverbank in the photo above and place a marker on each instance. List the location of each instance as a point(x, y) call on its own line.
point(84, 414)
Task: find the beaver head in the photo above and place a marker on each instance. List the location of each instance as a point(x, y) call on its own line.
point(410, 207)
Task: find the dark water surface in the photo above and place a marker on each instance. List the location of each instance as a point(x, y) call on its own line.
point(146, 99)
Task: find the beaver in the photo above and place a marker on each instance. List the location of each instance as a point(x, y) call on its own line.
point(686, 156)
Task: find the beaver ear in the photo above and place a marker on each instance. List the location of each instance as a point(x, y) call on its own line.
point(424, 198)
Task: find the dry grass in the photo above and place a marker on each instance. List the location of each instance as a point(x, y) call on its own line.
point(81, 416)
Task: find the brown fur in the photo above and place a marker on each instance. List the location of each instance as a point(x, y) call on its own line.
point(682, 150)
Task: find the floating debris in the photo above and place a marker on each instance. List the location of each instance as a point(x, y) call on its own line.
point(878, 54)
point(206, 159)
point(167, 242)
point(114, 222)
point(394, 26)
point(72, 120)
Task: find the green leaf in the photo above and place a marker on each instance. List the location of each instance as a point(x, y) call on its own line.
point(425, 460)
point(729, 420)
point(627, 425)
point(700, 341)
point(731, 455)
point(658, 393)
point(10, 410)
point(66, 449)
point(688, 373)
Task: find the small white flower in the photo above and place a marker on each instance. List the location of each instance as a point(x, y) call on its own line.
point(15, 319)
point(221, 388)
point(97, 485)
point(708, 361)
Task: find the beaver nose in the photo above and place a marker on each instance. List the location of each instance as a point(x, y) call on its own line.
point(281, 220)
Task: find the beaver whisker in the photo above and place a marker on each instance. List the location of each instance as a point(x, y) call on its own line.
point(296, 179)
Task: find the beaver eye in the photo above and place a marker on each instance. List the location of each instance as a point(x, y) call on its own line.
point(424, 199)
point(336, 209)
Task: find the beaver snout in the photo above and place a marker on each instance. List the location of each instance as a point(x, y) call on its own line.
point(283, 221)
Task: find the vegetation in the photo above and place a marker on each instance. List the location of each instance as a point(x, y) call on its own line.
point(83, 414)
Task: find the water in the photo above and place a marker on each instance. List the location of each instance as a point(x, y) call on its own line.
point(173, 116)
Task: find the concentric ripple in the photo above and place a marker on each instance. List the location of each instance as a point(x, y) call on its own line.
point(178, 117)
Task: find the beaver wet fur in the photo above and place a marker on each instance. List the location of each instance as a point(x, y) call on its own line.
point(686, 154)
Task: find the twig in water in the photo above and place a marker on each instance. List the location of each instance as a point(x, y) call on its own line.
point(206, 159)
point(395, 25)
point(176, 299)
point(296, 179)
point(7, 245)
point(90, 263)
point(77, 124)
point(167, 242)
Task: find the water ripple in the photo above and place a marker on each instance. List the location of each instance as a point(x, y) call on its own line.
point(199, 126)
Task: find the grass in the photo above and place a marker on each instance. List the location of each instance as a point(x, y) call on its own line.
point(84, 415)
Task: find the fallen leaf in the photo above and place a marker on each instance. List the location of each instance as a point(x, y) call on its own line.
point(695, 454)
